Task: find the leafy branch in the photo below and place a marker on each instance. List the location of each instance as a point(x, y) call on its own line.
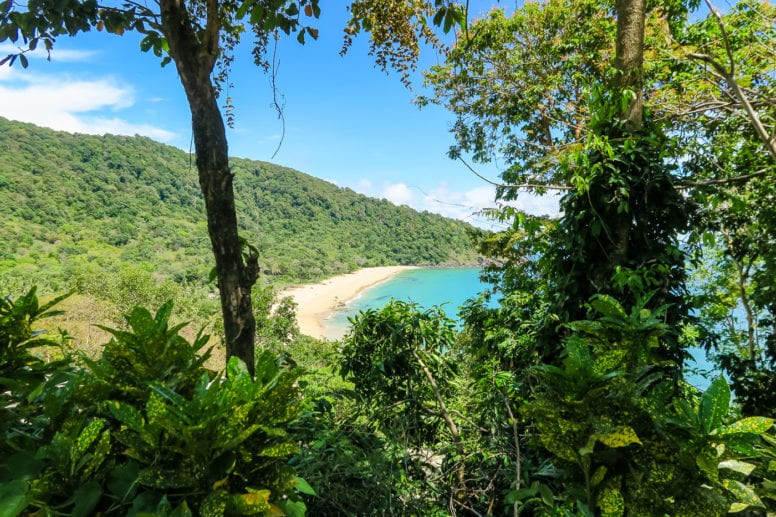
point(729, 77)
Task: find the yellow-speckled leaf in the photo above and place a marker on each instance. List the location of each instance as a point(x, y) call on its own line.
point(88, 435)
point(620, 437)
point(126, 414)
point(743, 494)
point(279, 450)
point(275, 511)
point(255, 500)
point(555, 436)
point(752, 424)
point(707, 460)
point(611, 502)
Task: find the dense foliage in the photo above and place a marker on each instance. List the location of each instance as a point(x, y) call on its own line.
point(76, 206)
point(568, 397)
point(143, 429)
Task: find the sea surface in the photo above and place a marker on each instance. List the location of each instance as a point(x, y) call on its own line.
point(450, 288)
point(446, 287)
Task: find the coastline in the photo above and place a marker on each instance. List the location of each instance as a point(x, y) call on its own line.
point(316, 302)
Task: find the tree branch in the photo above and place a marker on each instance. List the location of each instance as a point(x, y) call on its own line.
point(721, 26)
point(445, 415)
point(210, 43)
point(723, 181)
point(728, 77)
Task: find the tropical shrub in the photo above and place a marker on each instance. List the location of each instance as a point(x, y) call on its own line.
point(623, 441)
point(146, 428)
point(401, 361)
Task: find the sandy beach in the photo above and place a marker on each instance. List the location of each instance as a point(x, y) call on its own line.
point(317, 301)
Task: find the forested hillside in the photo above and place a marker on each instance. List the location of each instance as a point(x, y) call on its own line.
point(76, 205)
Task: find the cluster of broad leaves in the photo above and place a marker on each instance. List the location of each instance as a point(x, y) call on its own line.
point(603, 430)
point(143, 429)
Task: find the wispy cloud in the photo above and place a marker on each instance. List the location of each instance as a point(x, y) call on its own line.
point(71, 104)
point(57, 55)
point(465, 205)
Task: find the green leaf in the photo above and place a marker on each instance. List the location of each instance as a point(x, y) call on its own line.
point(737, 466)
point(293, 508)
point(620, 437)
point(303, 486)
point(743, 493)
point(598, 476)
point(162, 316)
point(546, 495)
point(753, 424)
point(243, 9)
point(519, 495)
point(122, 480)
point(608, 306)
point(439, 16)
point(182, 510)
point(707, 460)
point(13, 498)
point(714, 405)
point(86, 498)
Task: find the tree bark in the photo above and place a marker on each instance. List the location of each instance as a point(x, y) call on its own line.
point(194, 56)
point(629, 57)
point(629, 61)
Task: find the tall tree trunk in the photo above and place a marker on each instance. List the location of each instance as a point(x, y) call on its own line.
point(629, 61)
point(195, 56)
point(629, 57)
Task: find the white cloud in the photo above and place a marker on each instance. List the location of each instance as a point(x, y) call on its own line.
point(397, 193)
point(465, 205)
point(67, 104)
point(548, 204)
point(57, 55)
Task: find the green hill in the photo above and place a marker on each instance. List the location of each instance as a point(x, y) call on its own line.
point(78, 208)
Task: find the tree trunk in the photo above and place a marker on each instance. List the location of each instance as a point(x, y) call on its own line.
point(629, 61)
point(629, 57)
point(195, 56)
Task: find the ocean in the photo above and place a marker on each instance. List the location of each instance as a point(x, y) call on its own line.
point(451, 287)
point(448, 287)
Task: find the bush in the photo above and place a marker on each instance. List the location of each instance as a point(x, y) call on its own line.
point(145, 428)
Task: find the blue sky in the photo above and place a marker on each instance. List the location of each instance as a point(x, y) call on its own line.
point(347, 122)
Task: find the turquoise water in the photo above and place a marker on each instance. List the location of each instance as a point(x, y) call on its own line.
point(426, 287)
point(451, 288)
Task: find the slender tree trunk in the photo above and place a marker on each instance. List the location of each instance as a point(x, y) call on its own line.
point(629, 57)
point(195, 56)
point(629, 61)
point(743, 277)
point(455, 435)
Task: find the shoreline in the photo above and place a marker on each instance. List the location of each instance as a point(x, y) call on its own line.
point(316, 302)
